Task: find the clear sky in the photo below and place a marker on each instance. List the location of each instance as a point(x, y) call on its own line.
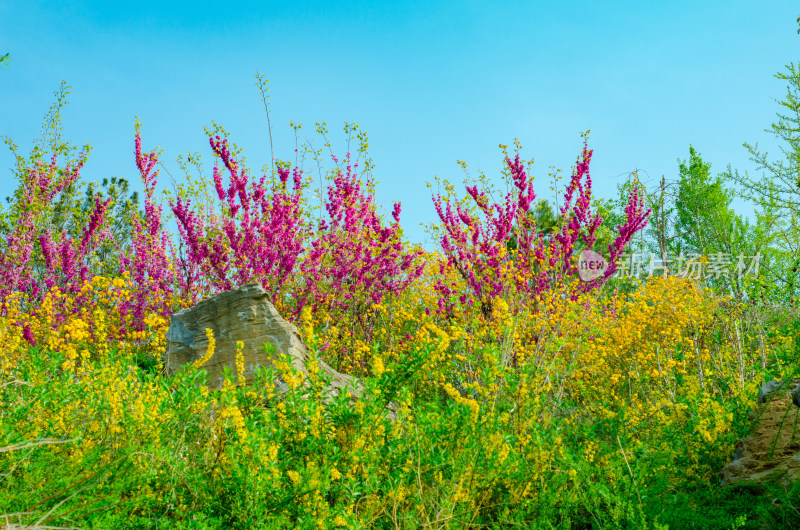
point(431, 82)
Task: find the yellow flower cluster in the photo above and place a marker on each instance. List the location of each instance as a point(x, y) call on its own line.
point(240, 362)
point(209, 350)
point(470, 403)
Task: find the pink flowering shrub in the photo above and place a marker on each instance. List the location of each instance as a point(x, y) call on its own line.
point(261, 238)
point(476, 242)
point(151, 251)
point(355, 261)
point(348, 263)
point(66, 262)
point(339, 267)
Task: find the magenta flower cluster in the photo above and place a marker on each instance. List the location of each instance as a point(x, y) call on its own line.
point(354, 261)
point(261, 237)
point(151, 251)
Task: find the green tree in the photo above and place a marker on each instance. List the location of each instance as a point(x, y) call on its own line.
point(546, 218)
point(693, 217)
point(707, 225)
point(776, 191)
point(5, 59)
point(780, 178)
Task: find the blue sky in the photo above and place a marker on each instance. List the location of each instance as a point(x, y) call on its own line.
point(431, 83)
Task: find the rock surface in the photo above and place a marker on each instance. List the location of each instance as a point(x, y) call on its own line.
point(796, 395)
point(767, 390)
point(244, 314)
point(772, 451)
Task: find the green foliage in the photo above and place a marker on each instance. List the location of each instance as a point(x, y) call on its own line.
point(546, 219)
point(781, 177)
point(780, 180)
point(693, 217)
point(777, 194)
point(704, 222)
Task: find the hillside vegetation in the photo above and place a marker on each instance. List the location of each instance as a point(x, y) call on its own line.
point(526, 397)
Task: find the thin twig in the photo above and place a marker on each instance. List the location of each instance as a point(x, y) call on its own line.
point(25, 445)
point(629, 470)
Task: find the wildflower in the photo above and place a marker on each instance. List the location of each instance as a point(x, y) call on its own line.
point(308, 323)
point(377, 366)
point(240, 362)
point(294, 476)
point(209, 352)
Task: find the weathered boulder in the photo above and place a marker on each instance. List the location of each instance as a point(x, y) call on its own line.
point(244, 314)
point(772, 451)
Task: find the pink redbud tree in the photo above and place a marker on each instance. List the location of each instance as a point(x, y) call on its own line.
point(343, 266)
point(355, 260)
point(261, 237)
point(475, 240)
point(149, 262)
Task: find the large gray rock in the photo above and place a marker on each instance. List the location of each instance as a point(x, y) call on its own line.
point(246, 315)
